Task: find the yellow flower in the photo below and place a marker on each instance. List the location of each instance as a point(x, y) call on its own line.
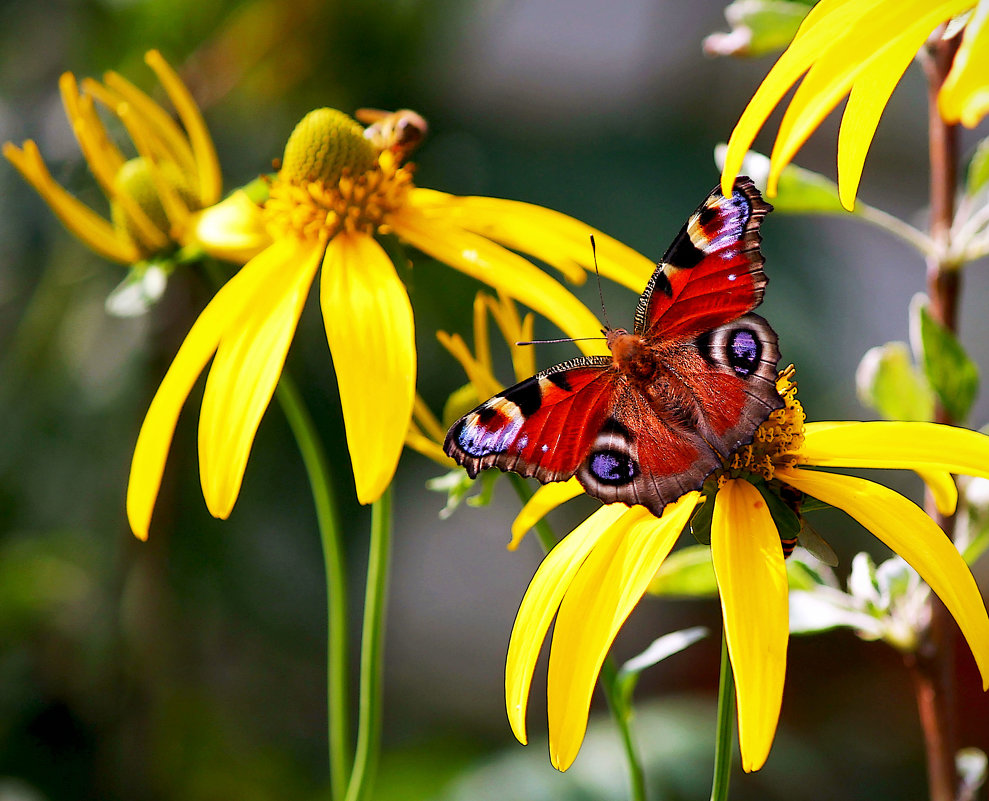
point(859, 49)
point(594, 577)
point(337, 187)
point(153, 195)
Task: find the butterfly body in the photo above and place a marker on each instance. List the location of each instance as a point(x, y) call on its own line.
point(678, 394)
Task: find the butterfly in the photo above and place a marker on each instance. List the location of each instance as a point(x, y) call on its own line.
point(678, 395)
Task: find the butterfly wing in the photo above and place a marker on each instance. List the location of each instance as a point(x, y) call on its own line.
point(540, 427)
point(712, 273)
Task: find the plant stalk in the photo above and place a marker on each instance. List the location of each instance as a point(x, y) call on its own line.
point(726, 727)
point(372, 651)
point(933, 665)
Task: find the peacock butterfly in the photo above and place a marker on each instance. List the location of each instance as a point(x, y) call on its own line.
point(677, 396)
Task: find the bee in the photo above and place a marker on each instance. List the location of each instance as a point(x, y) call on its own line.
point(399, 131)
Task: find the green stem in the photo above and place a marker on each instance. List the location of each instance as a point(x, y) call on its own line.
point(372, 651)
point(622, 714)
point(317, 470)
point(609, 673)
point(726, 727)
point(334, 564)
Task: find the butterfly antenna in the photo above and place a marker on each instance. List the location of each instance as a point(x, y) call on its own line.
point(597, 273)
point(550, 341)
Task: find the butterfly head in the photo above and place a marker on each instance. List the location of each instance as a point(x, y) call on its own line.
point(631, 354)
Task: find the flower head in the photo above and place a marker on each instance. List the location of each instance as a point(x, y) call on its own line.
point(596, 575)
point(859, 49)
point(338, 187)
point(153, 194)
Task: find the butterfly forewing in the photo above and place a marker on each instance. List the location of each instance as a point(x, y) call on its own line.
point(712, 273)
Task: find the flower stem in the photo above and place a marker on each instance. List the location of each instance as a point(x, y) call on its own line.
point(372, 651)
point(321, 486)
point(933, 664)
point(609, 673)
point(726, 727)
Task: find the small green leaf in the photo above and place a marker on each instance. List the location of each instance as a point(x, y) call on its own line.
point(799, 191)
point(757, 27)
point(660, 649)
point(862, 582)
point(458, 485)
point(825, 608)
point(888, 381)
point(978, 169)
point(787, 521)
point(700, 522)
point(687, 573)
point(953, 375)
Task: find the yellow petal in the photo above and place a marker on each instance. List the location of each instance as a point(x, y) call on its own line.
point(822, 28)
point(159, 424)
point(485, 383)
point(922, 447)
point(369, 326)
point(903, 526)
point(866, 102)
point(543, 501)
point(885, 34)
point(232, 230)
point(94, 231)
point(539, 605)
point(207, 164)
point(943, 489)
point(964, 97)
point(429, 448)
point(246, 368)
point(748, 563)
point(600, 597)
point(552, 237)
point(502, 269)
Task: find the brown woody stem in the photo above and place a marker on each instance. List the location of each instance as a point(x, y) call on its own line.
point(933, 664)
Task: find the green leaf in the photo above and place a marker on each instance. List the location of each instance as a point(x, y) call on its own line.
point(757, 27)
point(825, 608)
point(700, 522)
point(687, 573)
point(978, 169)
point(799, 191)
point(660, 649)
point(953, 375)
point(888, 381)
point(787, 521)
point(458, 485)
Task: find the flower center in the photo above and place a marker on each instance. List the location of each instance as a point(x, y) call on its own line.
point(777, 441)
point(332, 179)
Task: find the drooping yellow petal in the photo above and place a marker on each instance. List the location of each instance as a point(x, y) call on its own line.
point(94, 231)
point(964, 97)
point(429, 448)
point(245, 370)
point(539, 605)
point(543, 501)
point(748, 563)
point(370, 330)
point(866, 102)
point(888, 32)
point(485, 383)
point(943, 489)
point(502, 269)
point(552, 237)
point(600, 597)
point(102, 156)
point(908, 531)
point(159, 424)
point(822, 28)
point(232, 230)
point(207, 164)
point(923, 447)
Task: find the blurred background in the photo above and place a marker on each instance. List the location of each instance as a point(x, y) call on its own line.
point(191, 667)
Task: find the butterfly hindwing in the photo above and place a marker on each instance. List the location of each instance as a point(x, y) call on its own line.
point(712, 273)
